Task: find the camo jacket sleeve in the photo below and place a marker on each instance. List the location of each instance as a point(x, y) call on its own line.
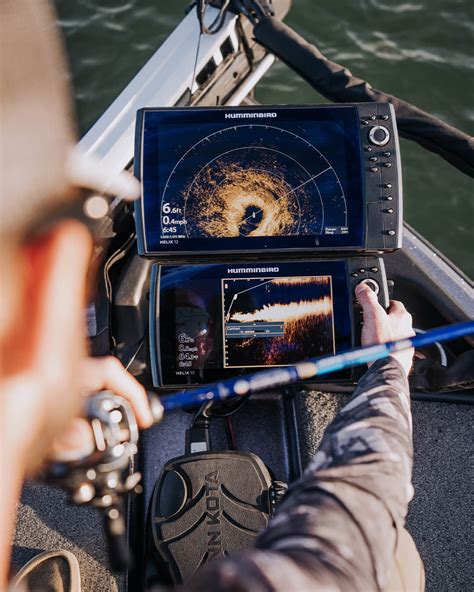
point(335, 530)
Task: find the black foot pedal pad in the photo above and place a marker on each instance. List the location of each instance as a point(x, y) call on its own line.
point(205, 506)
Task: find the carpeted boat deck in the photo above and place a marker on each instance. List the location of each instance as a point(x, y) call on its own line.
point(438, 517)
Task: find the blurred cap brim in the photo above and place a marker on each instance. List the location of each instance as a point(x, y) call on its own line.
point(89, 172)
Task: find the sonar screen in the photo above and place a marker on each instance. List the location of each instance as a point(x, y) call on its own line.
point(239, 180)
point(276, 321)
point(214, 321)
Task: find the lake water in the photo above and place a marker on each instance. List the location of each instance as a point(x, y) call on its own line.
point(420, 51)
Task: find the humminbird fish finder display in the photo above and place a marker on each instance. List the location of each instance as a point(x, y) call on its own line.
point(209, 322)
point(279, 179)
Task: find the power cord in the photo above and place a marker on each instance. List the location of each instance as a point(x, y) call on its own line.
point(231, 408)
point(116, 256)
point(198, 437)
point(217, 23)
point(254, 10)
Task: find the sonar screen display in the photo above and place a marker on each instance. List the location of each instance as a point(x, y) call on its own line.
point(213, 321)
point(276, 321)
point(239, 180)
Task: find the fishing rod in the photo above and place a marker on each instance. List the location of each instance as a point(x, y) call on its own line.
point(282, 376)
point(103, 477)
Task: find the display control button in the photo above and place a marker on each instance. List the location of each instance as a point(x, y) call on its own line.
point(387, 154)
point(388, 185)
point(373, 285)
point(379, 135)
point(368, 148)
point(374, 269)
point(373, 158)
point(373, 169)
point(391, 232)
point(373, 117)
point(387, 165)
point(385, 117)
point(389, 198)
point(389, 211)
point(361, 270)
point(355, 274)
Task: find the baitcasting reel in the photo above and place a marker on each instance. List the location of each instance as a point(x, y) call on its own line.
point(104, 475)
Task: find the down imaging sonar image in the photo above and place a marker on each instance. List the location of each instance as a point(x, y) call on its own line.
point(220, 180)
point(214, 321)
point(276, 321)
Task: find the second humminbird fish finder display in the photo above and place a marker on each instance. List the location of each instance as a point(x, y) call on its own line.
point(209, 322)
point(279, 179)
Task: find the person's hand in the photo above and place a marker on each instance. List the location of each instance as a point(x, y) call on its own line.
point(100, 374)
point(380, 326)
point(108, 373)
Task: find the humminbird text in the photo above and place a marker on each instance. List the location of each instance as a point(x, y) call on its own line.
point(248, 115)
point(254, 270)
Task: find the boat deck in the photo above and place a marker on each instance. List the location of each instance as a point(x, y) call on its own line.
point(437, 518)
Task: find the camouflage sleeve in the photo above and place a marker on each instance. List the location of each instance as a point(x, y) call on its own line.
point(336, 528)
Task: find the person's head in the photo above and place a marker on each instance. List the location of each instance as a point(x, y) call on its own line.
point(44, 257)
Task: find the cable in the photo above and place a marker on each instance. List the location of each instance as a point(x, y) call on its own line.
point(110, 262)
point(235, 406)
point(441, 350)
point(196, 57)
point(213, 28)
point(254, 10)
point(202, 412)
point(227, 408)
point(114, 258)
point(135, 354)
point(198, 436)
point(217, 23)
point(230, 433)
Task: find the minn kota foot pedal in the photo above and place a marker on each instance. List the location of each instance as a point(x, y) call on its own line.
point(206, 506)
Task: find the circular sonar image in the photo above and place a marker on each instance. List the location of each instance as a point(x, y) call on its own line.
point(254, 181)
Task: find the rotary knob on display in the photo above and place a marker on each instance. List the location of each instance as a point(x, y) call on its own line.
point(379, 135)
point(373, 285)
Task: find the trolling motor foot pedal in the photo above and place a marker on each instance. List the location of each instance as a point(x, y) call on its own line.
point(206, 506)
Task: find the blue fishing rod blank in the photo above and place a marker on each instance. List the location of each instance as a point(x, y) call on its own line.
point(282, 376)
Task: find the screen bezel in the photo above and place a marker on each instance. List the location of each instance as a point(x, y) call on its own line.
point(203, 245)
point(320, 267)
